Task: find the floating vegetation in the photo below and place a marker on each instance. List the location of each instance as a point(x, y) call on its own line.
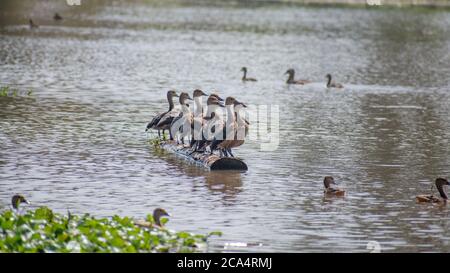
point(42, 230)
point(6, 91)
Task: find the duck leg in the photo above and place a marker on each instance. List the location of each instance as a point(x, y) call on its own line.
point(229, 151)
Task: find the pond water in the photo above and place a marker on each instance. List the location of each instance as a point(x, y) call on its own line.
point(78, 143)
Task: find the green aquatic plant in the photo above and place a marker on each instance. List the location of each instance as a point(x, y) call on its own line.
point(6, 91)
point(42, 230)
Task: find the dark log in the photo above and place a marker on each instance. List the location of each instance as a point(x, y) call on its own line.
point(212, 162)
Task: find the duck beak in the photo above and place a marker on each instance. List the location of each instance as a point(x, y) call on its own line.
point(27, 202)
point(189, 98)
point(221, 104)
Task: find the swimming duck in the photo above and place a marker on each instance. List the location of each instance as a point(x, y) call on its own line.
point(57, 17)
point(32, 24)
point(291, 79)
point(440, 183)
point(332, 84)
point(182, 125)
point(244, 78)
point(154, 122)
point(17, 199)
point(157, 215)
point(330, 190)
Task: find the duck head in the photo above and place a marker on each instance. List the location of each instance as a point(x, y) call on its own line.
point(244, 69)
point(328, 76)
point(214, 101)
point(158, 214)
point(172, 93)
point(199, 93)
point(216, 96)
point(328, 181)
point(290, 71)
point(17, 199)
point(229, 101)
point(238, 105)
point(440, 183)
point(184, 97)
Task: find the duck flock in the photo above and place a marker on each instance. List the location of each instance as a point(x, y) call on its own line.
point(206, 130)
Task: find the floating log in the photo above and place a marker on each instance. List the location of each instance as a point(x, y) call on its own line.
point(212, 162)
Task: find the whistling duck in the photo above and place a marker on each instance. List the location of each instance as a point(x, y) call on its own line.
point(198, 116)
point(228, 131)
point(332, 84)
point(32, 24)
point(157, 215)
point(244, 78)
point(440, 183)
point(242, 127)
point(17, 199)
point(154, 122)
point(209, 122)
point(291, 80)
point(330, 190)
point(57, 17)
point(182, 125)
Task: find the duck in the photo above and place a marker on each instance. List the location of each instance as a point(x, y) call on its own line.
point(32, 24)
point(332, 84)
point(57, 17)
point(198, 116)
point(182, 124)
point(227, 133)
point(166, 120)
point(430, 198)
point(158, 213)
point(17, 199)
point(244, 78)
point(291, 80)
point(209, 122)
point(154, 122)
point(242, 127)
point(330, 190)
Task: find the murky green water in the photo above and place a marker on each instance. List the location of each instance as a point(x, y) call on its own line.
point(99, 75)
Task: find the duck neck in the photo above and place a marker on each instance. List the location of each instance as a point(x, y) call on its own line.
point(245, 75)
point(291, 77)
point(230, 114)
point(329, 81)
point(185, 108)
point(170, 100)
point(239, 119)
point(198, 110)
point(211, 109)
point(442, 192)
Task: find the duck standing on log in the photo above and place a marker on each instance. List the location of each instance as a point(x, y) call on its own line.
point(291, 78)
point(430, 198)
point(154, 123)
point(331, 83)
point(198, 116)
point(244, 78)
point(209, 123)
point(242, 127)
point(228, 138)
point(182, 125)
point(329, 189)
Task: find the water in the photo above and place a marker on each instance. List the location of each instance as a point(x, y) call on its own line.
point(98, 76)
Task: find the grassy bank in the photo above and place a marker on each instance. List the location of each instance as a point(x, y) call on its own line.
point(42, 230)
